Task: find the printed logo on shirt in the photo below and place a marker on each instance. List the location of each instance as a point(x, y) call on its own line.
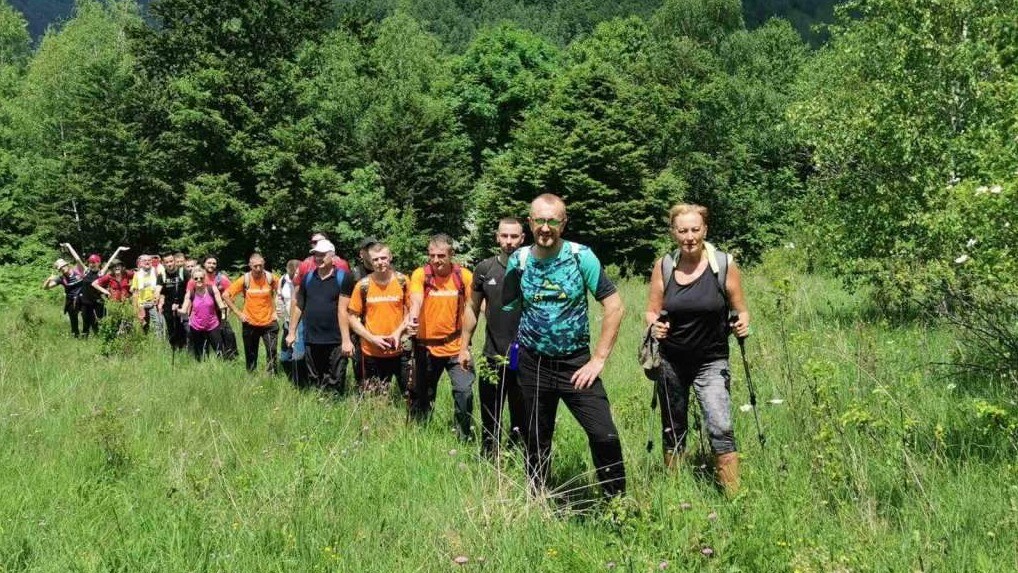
point(381, 299)
point(492, 281)
point(445, 293)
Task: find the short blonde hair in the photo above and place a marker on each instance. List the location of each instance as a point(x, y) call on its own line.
point(198, 273)
point(686, 208)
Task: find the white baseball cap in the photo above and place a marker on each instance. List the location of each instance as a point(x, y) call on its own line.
point(324, 246)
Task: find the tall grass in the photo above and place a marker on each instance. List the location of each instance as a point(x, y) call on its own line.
point(875, 461)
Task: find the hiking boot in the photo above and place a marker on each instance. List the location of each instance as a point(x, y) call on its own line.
point(674, 459)
point(728, 472)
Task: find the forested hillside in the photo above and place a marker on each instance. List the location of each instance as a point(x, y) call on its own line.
point(886, 157)
point(562, 18)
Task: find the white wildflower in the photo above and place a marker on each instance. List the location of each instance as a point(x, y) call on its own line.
point(970, 243)
point(790, 245)
point(982, 189)
point(776, 401)
point(961, 260)
point(996, 189)
point(745, 407)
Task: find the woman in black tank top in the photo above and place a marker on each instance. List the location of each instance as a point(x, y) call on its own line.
point(688, 312)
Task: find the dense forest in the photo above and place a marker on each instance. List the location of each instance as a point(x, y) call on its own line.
point(804, 14)
point(887, 156)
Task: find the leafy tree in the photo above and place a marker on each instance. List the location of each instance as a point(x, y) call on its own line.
point(905, 104)
point(504, 72)
point(409, 129)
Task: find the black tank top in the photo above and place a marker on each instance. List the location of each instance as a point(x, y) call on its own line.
point(697, 316)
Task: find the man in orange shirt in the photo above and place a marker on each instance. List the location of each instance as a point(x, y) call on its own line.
point(259, 313)
point(438, 297)
point(378, 314)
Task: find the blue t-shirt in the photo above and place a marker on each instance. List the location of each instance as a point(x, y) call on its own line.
point(553, 293)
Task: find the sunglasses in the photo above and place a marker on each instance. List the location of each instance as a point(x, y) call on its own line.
point(552, 223)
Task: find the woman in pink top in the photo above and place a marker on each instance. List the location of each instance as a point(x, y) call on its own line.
point(204, 307)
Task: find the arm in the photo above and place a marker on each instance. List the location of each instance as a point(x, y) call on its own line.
point(613, 312)
point(186, 309)
point(97, 286)
point(74, 254)
point(219, 302)
point(106, 266)
point(230, 294)
point(655, 301)
point(344, 324)
point(296, 310)
point(416, 302)
point(471, 309)
point(737, 300)
point(50, 282)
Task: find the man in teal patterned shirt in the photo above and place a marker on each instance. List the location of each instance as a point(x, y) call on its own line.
point(550, 280)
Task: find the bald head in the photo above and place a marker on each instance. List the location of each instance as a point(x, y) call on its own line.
point(548, 201)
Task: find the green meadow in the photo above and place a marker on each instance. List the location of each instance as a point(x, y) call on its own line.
point(876, 459)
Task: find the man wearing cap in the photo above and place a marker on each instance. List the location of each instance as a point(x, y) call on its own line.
point(322, 299)
point(72, 279)
point(172, 288)
point(550, 280)
point(143, 292)
point(361, 269)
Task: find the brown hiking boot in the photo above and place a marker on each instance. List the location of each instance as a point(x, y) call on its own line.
point(728, 472)
point(674, 459)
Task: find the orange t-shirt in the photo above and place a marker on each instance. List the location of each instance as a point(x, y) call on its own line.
point(259, 299)
point(386, 309)
point(442, 306)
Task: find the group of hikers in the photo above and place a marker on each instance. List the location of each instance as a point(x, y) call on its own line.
point(412, 329)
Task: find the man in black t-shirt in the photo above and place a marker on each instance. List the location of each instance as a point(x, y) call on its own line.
point(322, 302)
point(171, 287)
point(500, 331)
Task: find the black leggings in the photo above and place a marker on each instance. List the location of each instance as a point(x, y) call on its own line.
point(204, 342)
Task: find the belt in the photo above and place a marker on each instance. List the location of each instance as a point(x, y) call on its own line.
point(438, 341)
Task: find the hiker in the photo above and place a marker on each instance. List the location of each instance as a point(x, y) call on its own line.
point(116, 284)
point(500, 330)
point(438, 296)
point(92, 307)
point(550, 280)
point(73, 280)
point(697, 286)
point(258, 318)
point(143, 293)
point(288, 356)
point(322, 299)
point(172, 287)
point(361, 269)
point(309, 265)
point(205, 309)
point(378, 314)
point(221, 281)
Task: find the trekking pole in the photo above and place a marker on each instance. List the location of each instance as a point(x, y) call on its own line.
point(661, 317)
point(410, 345)
point(752, 392)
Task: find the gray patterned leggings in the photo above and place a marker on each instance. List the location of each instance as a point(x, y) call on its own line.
point(710, 380)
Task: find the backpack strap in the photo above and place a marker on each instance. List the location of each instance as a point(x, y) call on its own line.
point(362, 286)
